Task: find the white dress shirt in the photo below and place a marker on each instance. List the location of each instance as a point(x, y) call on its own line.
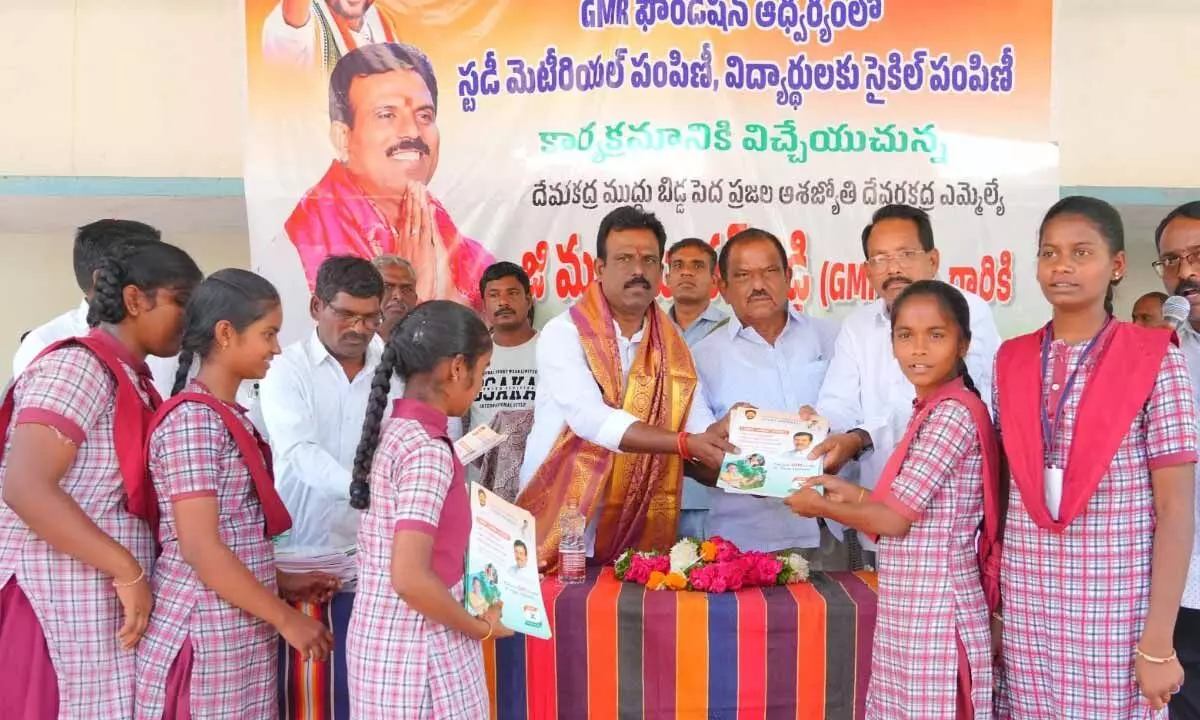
point(1189, 342)
point(314, 416)
point(568, 396)
point(865, 387)
point(283, 43)
point(73, 324)
point(737, 365)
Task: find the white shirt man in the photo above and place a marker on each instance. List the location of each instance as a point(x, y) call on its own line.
point(313, 415)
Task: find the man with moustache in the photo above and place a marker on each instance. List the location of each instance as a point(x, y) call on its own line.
point(865, 396)
point(399, 290)
point(691, 275)
point(306, 33)
point(774, 358)
point(313, 403)
point(1177, 240)
point(373, 198)
point(505, 400)
point(619, 413)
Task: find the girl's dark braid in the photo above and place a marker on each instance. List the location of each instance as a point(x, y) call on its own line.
point(108, 296)
point(966, 378)
point(381, 385)
point(185, 369)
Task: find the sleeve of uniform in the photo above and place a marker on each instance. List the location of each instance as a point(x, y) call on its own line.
point(185, 452)
point(67, 390)
point(1171, 414)
point(940, 444)
point(420, 487)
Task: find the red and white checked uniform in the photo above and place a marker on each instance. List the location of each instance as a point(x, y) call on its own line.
point(72, 391)
point(399, 664)
point(929, 587)
point(1075, 603)
point(192, 454)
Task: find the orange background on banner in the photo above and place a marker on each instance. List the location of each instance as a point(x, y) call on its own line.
point(465, 29)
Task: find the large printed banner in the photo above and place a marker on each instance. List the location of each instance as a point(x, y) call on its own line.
point(458, 132)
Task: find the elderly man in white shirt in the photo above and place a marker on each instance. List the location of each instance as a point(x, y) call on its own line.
point(774, 358)
point(865, 396)
point(308, 33)
point(586, 418)
point(1177, 240)
point(93, 243)
point(313, 403)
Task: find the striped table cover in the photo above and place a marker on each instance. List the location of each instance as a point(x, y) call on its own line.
point(801, 652)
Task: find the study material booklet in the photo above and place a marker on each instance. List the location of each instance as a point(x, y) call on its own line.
point(502, 564)
point(774, 452)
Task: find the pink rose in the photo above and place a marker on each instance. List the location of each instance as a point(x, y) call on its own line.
point(661, 563)
point(719, 584)
point(701, 577)
point(726, 550)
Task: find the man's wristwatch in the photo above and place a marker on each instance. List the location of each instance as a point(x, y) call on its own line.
point(867, 445)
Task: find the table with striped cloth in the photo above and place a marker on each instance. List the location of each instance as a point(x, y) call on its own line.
point(801, 652)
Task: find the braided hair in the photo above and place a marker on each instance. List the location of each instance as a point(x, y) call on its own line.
point(146, 266)
point(434, 331)
point(954, 304)
point(239, 297)
point(1104, 218)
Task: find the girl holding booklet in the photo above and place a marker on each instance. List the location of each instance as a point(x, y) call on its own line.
point(931, 658)
point(413, 649)
point(211, 645)
point(1098, 423)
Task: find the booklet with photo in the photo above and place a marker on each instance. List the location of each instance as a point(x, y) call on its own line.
point(502, 564)
point(774, 452)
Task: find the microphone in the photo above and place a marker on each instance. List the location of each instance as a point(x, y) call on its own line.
point(1176, 311)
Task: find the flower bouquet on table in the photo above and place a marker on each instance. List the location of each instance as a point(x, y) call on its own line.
point(714, 565)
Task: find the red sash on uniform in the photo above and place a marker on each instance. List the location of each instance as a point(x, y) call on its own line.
point(989, 542)
point(1127, 364)
point(254, 450)
point(130, 418)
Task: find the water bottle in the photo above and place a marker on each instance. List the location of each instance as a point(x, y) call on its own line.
point(572, 553)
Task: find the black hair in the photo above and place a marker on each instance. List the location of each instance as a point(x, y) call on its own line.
point(24, 335)
point(902, 212)
point(1188, 210)
point(238, 296)
point(520, 544)
point(804, 434)
point(746, 236)
point(628, 217)
point(695, 244)
point(96, 241)
point(347, 274)
point(1161, 297)
point(954, 305)
point(1103, 217)
point(374, 59)
point(148, 267)
point(504, 269)
point(434, 331)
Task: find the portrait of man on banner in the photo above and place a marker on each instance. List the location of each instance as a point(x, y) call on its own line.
point(373, 199)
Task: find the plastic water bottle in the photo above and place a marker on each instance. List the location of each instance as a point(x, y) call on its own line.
point(572, 553)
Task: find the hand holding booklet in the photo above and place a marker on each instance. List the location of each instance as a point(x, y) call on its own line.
point(502, 564)
point(774, 448)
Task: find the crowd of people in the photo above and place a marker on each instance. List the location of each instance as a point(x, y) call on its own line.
point(1034, 559)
